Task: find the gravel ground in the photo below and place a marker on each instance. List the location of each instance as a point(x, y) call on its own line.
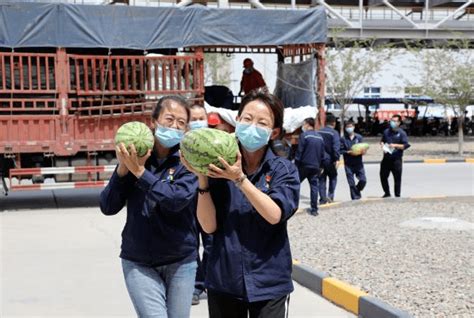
point(427, 272)
point(425, 147)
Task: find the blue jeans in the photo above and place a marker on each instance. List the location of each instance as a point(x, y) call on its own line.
point(163, 291)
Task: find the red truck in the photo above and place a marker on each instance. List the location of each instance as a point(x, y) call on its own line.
point(60, 105)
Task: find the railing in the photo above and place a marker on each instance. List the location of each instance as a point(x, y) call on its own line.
point(132, 75)
point(14, 105)
point(27, 73)
point(386, 13)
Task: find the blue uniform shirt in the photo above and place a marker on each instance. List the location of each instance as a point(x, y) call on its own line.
point(310, 153)
point(346, 144)
point(398, 136)
point(161, 224)
point(332, 142)
point(250, 258)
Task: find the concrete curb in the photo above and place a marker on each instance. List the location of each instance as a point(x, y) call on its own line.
point(378, 200)
point(343, 294)
point(430, 161)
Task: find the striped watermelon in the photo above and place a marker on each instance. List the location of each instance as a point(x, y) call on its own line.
point(201, 147)
point(358, 148)
point(136, 133)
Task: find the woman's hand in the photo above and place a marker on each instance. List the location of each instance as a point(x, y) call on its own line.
point(122, 169)
point(229, 172)
point(132, 162)
point(202, 179)
point(188, 166)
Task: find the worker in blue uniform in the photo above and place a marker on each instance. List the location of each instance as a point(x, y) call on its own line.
point(394, 142)
point(198, 120)
point(332, 146)
point(159, 240)
point(353, 164)
point(246, 207)
point(309, 159)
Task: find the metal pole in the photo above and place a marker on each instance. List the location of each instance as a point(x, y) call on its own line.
point(426, 16)
point(321, 82)
point(337, 14)
point(388, 4)
point(468, 3)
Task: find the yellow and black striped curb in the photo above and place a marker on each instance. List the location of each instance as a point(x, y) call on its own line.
point(343, 294)
point(429, 160)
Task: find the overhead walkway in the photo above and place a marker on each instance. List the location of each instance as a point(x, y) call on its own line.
point(385, 20)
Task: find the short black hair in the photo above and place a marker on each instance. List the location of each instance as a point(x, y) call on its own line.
point(350, 122)
point(398, 117)
point(309, 121)
point(330, 119)
point(268, 99)
point(165, 102)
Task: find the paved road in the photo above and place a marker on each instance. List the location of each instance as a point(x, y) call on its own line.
point(60, 257)
point(64, 262)
point(452, 179)
point(418, 179)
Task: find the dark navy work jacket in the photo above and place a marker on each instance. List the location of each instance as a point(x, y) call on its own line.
point(310, 153)
point(161, 223)
point(332, 142)
point(398, 136)
point(250, 258)
point(346, 144)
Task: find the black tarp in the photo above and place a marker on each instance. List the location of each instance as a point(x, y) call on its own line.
point(146, 28)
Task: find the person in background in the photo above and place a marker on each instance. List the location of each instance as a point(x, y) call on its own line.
point(353, 164)
point(332, 146)
point(199, 120)
point(309, 160)
point(246, 207)
point(198, 117)
point(394, 142)
point(159, 240)
point(251, 78)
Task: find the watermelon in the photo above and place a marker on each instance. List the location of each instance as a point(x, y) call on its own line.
point(201, 147)
point(136, 133)
point(358, 148)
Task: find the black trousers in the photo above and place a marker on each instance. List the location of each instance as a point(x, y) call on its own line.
point(395, 167)
point(224, 306)
point(313, 178)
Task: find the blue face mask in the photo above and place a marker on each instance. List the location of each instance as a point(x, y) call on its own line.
point(252, 137)
point(393, 125)
point(168, 137)
point(350, 130)
point(196, 124)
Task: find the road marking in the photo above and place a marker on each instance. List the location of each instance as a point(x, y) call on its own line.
point(434, 160)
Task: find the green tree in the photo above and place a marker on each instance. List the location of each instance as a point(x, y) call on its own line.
point(350, 66)
point(217, 69)
point(447, 72)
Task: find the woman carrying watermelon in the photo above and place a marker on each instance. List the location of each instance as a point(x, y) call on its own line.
point(246, 207)
point(159, 241)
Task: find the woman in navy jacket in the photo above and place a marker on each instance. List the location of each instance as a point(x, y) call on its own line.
point(159, 241)
point(246, 207)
